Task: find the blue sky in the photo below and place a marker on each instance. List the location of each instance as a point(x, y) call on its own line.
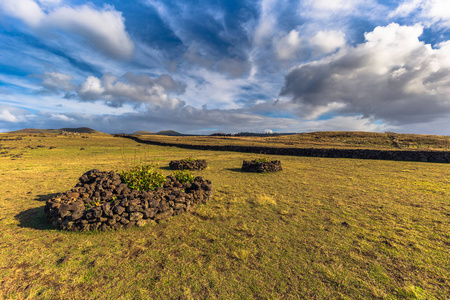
point(226, 66)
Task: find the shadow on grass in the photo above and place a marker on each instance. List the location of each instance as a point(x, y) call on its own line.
point(166, 168)
point(239, 170)
point(46, 197)
point(34, 217)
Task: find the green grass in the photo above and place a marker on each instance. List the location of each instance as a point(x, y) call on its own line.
point(321, 229)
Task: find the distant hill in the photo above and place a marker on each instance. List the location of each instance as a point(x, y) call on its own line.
point(34, 130)
point(169, 133)
point(79, 130)
point(141, 132)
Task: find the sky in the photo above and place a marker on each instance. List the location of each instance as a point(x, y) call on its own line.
point(201, 67)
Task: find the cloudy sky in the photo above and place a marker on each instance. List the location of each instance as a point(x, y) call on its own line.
point(206, 66)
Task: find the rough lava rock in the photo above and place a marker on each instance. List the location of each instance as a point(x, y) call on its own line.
point(198, 164)
point(261, 167)
point(101, 201)
point(398, 155)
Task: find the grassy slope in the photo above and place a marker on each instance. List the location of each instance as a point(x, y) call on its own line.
point(344, 140)
point(321, 229)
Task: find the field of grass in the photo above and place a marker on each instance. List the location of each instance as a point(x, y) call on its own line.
point(328, 139)
point(321, 229)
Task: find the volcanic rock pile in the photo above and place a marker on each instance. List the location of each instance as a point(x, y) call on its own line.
point(261, 167)
point(198, 164)
point(101, 201)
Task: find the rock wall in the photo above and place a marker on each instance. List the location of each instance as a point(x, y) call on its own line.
point(101, 201)
point(261, 167)
point(424, 156)
point(198, 164)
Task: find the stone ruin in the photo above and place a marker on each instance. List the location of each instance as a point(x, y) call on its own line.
point(198, 164)
point(261, 167)
point(101, 201)
point(69, 133)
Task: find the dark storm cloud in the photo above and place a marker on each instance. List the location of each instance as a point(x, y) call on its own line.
point(392, 76)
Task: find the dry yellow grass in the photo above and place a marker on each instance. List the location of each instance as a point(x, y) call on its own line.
point(320, 229)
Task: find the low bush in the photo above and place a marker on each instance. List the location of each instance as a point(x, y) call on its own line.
point(183, 176)
point(261, 160)
point(189, 159)
point(142, 178)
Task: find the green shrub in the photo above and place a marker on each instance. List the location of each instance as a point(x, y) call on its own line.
point(183, 176)
point(142, 178)
point(189, 159)
point(262, 160)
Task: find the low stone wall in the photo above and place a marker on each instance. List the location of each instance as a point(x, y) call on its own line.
point(261, 167)
point(198, 164)
point(101, 201)
point(424, 156)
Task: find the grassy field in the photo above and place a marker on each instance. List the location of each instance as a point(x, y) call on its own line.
point(321, 229)
point(327, 139)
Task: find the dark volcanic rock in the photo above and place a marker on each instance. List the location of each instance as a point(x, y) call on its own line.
point(408, 155)
point(100, 201)
point(261, 167)
point(198, 164)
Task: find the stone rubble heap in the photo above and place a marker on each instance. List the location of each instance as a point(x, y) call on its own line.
point(198, 164)
point(261, 167)
point(101, 201)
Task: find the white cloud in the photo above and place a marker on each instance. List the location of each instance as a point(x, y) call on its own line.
point(406, 8)
point(130, 88)
point(346, 123)
point(48, 4)
point(392, 76)
point(61, 117)
point(267, 22)
point(104, 29)
point(326, 9)
point(11, 114)
point(430, 12)
point(7, 116)
point(55, 81)
point(334, 5)
point(287, 46)
point(26, 10)
point(91, 88)
point(328, 41)
point(216, 90)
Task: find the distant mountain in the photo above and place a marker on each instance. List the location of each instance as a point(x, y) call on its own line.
point(142, 132)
